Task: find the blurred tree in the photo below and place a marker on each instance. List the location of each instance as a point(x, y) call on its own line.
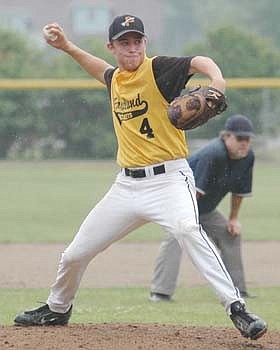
point(19, 56)
point(20, 116)
point(52, 123)
point(261, 17)
point(241, 54)
point(81, 118)
point(189, 21)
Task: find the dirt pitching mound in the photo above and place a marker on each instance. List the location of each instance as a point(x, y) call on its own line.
point(131, 337)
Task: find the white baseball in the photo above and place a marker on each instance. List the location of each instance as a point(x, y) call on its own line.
point(48, 35)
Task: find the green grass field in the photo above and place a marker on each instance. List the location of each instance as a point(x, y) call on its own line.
point(47, 201)
point(192, 306)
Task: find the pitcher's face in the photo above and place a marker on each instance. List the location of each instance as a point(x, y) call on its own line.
point(129, 51)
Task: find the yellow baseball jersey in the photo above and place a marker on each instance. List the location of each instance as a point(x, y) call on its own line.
point(144, 133)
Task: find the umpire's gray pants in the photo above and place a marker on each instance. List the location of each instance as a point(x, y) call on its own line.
point(168, 261)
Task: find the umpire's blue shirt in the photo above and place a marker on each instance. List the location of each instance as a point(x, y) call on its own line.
point(216, 174)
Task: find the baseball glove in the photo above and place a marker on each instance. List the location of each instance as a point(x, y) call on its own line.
point(196, 107)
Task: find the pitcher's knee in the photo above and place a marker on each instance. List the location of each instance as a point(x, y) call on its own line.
point(187, 227)
point(72, 258)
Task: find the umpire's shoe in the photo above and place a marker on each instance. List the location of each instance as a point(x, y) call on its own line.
point(42, 316)
point(249, 325)
point(155, 297)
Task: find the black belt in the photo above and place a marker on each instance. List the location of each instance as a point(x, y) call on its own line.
point(137, 173)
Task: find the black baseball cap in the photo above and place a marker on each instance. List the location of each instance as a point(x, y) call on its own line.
point(125, 24)
point(239, 125)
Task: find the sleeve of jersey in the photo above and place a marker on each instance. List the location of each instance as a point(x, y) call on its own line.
point(171, 75)
point(108, 74)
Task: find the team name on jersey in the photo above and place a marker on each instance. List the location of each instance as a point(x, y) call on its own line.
point(128, 109)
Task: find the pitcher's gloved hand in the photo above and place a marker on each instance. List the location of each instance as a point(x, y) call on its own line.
point(196, 107)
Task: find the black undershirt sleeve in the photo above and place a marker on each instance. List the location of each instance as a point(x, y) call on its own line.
point(108, 78)
point(171, 75)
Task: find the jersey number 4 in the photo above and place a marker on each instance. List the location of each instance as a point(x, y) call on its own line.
point(146, 129)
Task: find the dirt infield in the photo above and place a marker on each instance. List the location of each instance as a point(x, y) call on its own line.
point(123, 264)
point(131, 337)
point(133, 264)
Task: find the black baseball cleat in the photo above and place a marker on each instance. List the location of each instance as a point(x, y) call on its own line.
point(42, 316)
point(249, 325)
point(155, 297)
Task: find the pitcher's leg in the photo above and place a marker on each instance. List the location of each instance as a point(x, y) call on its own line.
point(109, 221)
point(206, 258)
point(178, 215)
point(167, 266)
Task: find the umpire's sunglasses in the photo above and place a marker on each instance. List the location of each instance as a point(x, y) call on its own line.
point(242, 138)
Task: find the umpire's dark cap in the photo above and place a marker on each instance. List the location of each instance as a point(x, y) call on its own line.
point(125, 24)
point(239, 125)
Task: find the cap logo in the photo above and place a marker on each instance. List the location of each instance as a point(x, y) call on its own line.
point(127, 21)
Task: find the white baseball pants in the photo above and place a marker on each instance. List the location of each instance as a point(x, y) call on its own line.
point(168, 199)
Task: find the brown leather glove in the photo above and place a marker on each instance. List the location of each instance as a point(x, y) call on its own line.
point(196, 107)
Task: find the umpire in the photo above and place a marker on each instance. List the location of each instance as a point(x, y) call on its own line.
point(224, 165)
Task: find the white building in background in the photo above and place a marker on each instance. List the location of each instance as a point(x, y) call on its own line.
point(78, 17)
